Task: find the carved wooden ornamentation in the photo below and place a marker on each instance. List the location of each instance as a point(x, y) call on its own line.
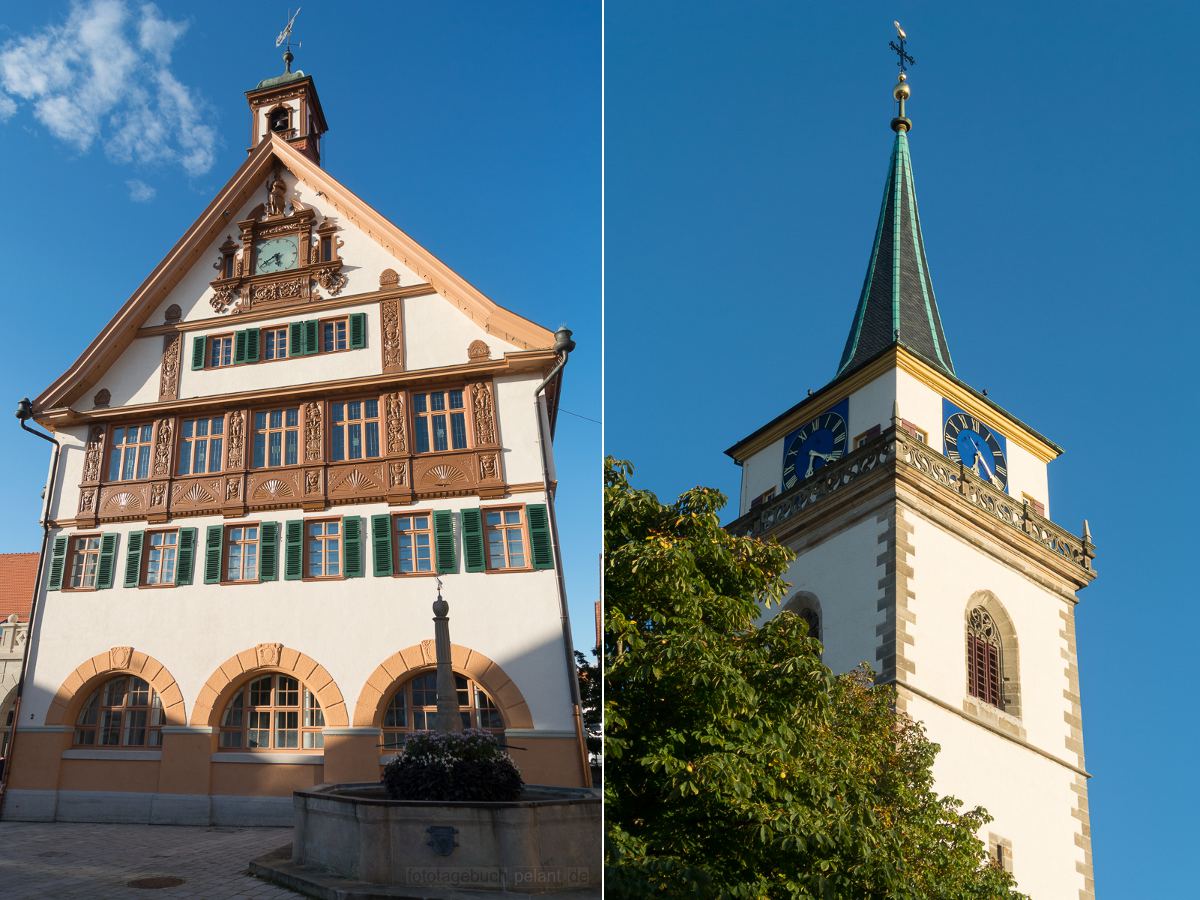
point(235, 452)
point(397, 438)
point(163, 433)
point(489, 467)
point(484, 407)
point(87, 501)
point(158, 493)
point(312, 432)
point(119, 657)
point(393, 338)
point(92, 456)
point(398, 474)
point(312, 481)
point(168, 383)
point(478, 350)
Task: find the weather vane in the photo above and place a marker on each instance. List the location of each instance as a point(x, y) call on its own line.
point(286, 34)
point(904, 60)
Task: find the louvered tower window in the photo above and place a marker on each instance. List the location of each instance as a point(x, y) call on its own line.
point(984, 677)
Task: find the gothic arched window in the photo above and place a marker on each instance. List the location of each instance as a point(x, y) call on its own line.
point(808, 608)
point(985, 678)
point(813, 618)
point(123, 712)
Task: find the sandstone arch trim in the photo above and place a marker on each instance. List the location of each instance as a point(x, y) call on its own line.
point(232, 674)
point(400, 666)
point(78, 686)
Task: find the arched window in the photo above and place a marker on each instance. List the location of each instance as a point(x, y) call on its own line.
point(985, 677)
point(413, 707)
point(807, 607)
point(273, 712)
point(123, 712)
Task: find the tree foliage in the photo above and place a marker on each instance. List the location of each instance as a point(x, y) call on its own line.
point(737, 765)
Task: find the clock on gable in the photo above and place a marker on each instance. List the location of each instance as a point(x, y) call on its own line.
point(282, 256)
point(822, 440)
point(974, 444)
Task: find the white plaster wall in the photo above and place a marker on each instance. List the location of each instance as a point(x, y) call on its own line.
point(133, 378)
point(348, 626)
point(285, 372)
point(1027, 474)
point(921, 405)
point(64, 502)
point(842, 574)
point(437, 333)
point(871, 405)
point(946, 572)
point(519, 428)
point(1029, 797)
point(761, 472)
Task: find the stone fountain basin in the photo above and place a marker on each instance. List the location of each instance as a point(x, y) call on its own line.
point(548, 840)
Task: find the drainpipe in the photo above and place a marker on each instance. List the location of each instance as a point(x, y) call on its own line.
point(24, 414)
point(563, 345)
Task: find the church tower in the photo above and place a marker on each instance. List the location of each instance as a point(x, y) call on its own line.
point(920, 515)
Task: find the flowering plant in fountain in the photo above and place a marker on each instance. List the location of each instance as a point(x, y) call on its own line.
point(470, 767)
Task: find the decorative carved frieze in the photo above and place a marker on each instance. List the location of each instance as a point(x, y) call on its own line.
point(393, 336)
point(312, 432)
point(484, 407)
point(397, 475)
point(330, 279)
point(164, 431)
point(168, 382)
point(235, 450)
point(158, 494)
point(312, 482)
point(274, 487)
point(397, 424)
point(895, 448)
point(224, 296)
point(92, 455)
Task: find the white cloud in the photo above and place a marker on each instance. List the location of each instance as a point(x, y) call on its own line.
point(139, 191)
point(104, 76)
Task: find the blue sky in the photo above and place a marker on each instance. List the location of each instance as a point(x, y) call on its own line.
point(474, 126)
point(1054, 152)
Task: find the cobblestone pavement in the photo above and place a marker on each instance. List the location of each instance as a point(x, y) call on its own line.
point(62, 860)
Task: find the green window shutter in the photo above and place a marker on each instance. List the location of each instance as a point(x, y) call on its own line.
point(252, 345)
point(186, 564)
point(198, 347)
point(293, 551)
point(296, 339)
point(58, 561)
point(474, 559)
point(133, 558)
point(239, 346)
point(540, 550)
point(443, 541)
point(352, 551)
point(381, 544)
point(212, 554)
point(268, 552)
point(311, 344)
point(358, 331)
point(108, 561)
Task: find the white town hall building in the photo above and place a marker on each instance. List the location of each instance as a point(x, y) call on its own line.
point(298, 423)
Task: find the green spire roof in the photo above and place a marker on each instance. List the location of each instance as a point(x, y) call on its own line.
point(897, 305)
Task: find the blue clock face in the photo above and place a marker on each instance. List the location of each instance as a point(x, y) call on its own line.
point(808, 448)
point(978, 448)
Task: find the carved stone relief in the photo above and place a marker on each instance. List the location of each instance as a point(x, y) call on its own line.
point(102, 399)
point(235, 453)
point(87, 500)
point(312, 432)
point(119, 657)
point(393, 339)
point(331, 280)
point(91, 456)
point(158, 494)
point(162, 447)
point(268, 654)
point(168, 383)
point(485, 414)
point(397, 439)
point(478, 350)
point(489, 467)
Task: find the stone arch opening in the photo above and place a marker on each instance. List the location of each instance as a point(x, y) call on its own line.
point(985, 617)
point(79, 685)
point(808, 607)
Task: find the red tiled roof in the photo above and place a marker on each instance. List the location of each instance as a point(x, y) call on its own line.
point(17, 574)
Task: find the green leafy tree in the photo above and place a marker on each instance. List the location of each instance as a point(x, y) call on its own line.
point(590, 701)
point(737, 764)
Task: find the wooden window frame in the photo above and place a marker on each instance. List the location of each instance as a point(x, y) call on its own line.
point(269, 429)
point(334, 321)
point(324, 539)
point(364, 420)
point(183, 448)
point(391, 734)
point(262, 343)
point(208, 350)
point(69, 565)
point(112, 448)
point(153, 703)
point(523, 525)
point(418, 426)
point(144, 573)
point(272, 708)
point(395, 538)
point(226, 543)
